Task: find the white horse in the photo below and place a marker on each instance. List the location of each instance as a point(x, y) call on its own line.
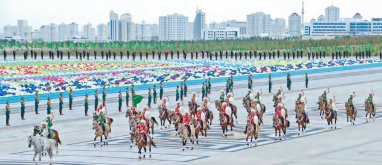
point(40, 145)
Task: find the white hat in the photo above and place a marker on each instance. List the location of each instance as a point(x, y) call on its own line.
point(280, 105)
point(222, 91)
point(143, 121)
point(194, 93)
point(252, 110)
point(43, 123)
point(178, 102)
point(224, 104)
point(255, 100)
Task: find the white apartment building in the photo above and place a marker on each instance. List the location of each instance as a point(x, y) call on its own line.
point(173, 27)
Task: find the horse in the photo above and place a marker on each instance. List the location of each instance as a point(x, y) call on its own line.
point(218, 105)
point(301, 119)
point(165, 116)
point(321, 106)
point(141, 143)
point(198, 129)
point(99, 131)
point(330, 117)
point(224, 122)
point(247, 104)
point(183, 132)
point(350, 115)
point(260, 114)
point(252, 131)
point(369, 110)
point(56, 138)
point(278, 126)
point(40, 144)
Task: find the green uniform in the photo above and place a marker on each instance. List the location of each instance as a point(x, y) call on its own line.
point(60, 105)
point(185, 90)
point(203, 91)
point(101, 120)
point(71, 101)
point(86, 106)
point(370, 99)
point(227, 88)
point(161, 92)
point(222, 97)
point(22, 109)
point(7, 115)
point(127, 98)
point(299, 98)
point(270, 85)
point(49, 123)
point(289, 82)
point(155, 96)
point(177, 95)
point(149, 99)
point(120, 103)
point(36, 102)
point(249, 83)
point(209, 86)
point(306, 80)
point(48, 108)
point(104, 96)
point(257, 97)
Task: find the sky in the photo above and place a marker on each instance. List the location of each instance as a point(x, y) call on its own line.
point(40, 12)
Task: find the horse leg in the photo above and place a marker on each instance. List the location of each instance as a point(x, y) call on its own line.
point(94, 141)
point(50, 152)
point(139, 152)
point(247, 140)
point(144, 155)
point(34, 157)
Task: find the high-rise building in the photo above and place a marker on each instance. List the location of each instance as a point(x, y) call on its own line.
point(278, 28)
point(114, 26)
point(141, 32)
point(242, 25)
point(102, 32)
point(199, 25)
point(154, 30)
point(49, 33)
point(63, 32)
point(191, 31)
point(23, 30)
point(73, 30)
point(332, 13)
point(294, 25)
point(125, 27)
point(173, 27)
point(258, 24)
point(89, 32)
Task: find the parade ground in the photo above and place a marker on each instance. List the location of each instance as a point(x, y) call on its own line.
point(347, 144)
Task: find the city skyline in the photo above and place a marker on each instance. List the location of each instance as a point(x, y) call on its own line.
point(98, 11)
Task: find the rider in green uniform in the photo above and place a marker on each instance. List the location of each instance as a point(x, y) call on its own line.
point(350, 101)
point(222, 96)
point(370, 99)
point(101, 120)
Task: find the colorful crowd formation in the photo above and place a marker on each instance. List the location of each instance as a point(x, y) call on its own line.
point(25, 78)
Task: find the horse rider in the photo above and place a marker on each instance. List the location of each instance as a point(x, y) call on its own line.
point(177, 111)
point(280, 92)
point(370, 100)
point(229, 95)
point(300, 97)
point(222, 95)
point(186, 122)
point(331, 105)
point(164, 107)
point(133, 111)
point(145, 109)
point(199, 117)
point(350, 101)
point(278, 113)
point(223, 111)
point(258, 96)
point(205, 106)
point(45, 131)
point(324, 97)
point(102, 120)
point(250, 119)
point(142, 128)
point(193, 100)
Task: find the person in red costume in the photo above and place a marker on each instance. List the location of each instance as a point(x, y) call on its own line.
point(278, 113)
point(223, 110)
point(186, 122)
point(142, 128)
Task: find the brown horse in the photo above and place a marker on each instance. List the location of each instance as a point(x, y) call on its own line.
point(247, 104)
point(330, 116)
point(278, 126)
point(141, 144)
point(301, 118)
point(224, 122)
point(350, 115)
point(176, 120)
point(100, 133)
point(369, 110)
point(321, 106)
point(165, 116)
point(218, 105)
point(198, 129)
point(260, 113)
point(252, 132)
point(56, 138)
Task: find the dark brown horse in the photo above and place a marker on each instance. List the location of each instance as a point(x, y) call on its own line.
point(350, 115)
point(330, 117)
point(141, 144)
point(369, 110)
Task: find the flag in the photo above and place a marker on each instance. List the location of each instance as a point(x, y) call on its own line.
point(137, 99)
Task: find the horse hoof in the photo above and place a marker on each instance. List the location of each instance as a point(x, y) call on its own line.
point(149, 156)
point(139, 157)
point(183, 149)
point(144, 156)
point(192, 148)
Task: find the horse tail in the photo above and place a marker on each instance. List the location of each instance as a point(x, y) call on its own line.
point(155, 121)
point(111, 120)
point(57, 137)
